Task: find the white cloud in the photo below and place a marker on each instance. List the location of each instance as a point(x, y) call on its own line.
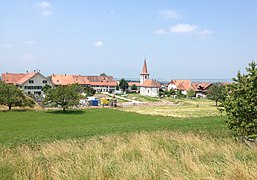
point(29, 42)
point(43, 4)
point(7, 45)
point(98, 44)
point(46, 13)
point(169, 14)
point(183, 28)
point(160, 31)
point(28, 56)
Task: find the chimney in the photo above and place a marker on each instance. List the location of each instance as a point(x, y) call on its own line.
point(27, 71)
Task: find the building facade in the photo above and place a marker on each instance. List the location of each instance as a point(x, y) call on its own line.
point(31, 83)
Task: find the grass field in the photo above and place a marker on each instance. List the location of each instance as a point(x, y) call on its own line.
point(112, 144)
point(144, 155)
point(44, 126)
point(182, 108)
point(139, 97)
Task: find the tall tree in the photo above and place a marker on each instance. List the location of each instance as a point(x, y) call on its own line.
point(216, 92)
point(123, 84)
point(63, 96)
point(11, 96)
point(241, 102)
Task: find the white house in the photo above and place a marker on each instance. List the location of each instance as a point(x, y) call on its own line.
point(30, 83)
point(148, 87)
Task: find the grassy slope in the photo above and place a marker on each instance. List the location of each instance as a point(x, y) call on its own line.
point(41, 126)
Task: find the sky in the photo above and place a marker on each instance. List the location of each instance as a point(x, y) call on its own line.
point(181, 39)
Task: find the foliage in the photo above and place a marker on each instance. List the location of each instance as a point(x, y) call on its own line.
point(241, 102)
point(89, 91)
point(103, 74)
point(46, 88)
point(123, 84)
point(134, 87)
point(11, 96)
point(216, 92)
point(190, 93)
point(63, 96)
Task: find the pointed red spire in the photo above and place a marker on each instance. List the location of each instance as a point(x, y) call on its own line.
point(144, 70)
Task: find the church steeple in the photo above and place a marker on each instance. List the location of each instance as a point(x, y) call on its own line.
point(144, 74)
point(144, 70)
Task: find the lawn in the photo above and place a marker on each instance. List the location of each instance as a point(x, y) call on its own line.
point(181, 108)
point(45, 126)
point(139, 97)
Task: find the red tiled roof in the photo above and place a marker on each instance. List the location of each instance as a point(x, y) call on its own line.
point(17, 78)
point(144, 70)
point(84, 80)
point(179, 81)
point(200, 86)
point(132, 83)
point(184, 86)
point(151, 83)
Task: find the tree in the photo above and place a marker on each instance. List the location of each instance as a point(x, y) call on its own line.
point(216, 92)
point(89, 91)
point(241, 102)
point(103, 74)
point(134, 87)
point(64, 96)
point(190, 93)
point(11, 96)
point(123, 84)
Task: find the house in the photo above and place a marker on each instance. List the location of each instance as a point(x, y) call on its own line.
point(99, 83)
point(30, 83)
point(132, 83)
point(182, 85)
point(201, 88)
point(148, 87)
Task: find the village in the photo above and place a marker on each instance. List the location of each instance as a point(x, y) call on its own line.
point(32, 84)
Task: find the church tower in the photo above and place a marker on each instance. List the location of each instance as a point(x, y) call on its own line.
point(144, 74)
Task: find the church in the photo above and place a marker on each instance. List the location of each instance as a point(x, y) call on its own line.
point(148, 87)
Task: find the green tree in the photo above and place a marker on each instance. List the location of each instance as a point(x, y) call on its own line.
point(89, 91)
point(216, 92)
point(103, 74)
point(11, 96)
point(190, 93)
point(134, 87)
point(123, 84)
point(63, 96)
point(241, 102)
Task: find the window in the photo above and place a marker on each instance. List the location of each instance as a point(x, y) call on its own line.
point(44, 81)
point(31, 81)
point(37, 92)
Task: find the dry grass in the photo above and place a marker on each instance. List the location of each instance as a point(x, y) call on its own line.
point(186, 108)
point(156, 155)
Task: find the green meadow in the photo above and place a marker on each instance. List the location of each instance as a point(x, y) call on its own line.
point(103, 143)
point(19, 127)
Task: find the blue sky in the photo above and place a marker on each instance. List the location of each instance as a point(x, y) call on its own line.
point(180, 38)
